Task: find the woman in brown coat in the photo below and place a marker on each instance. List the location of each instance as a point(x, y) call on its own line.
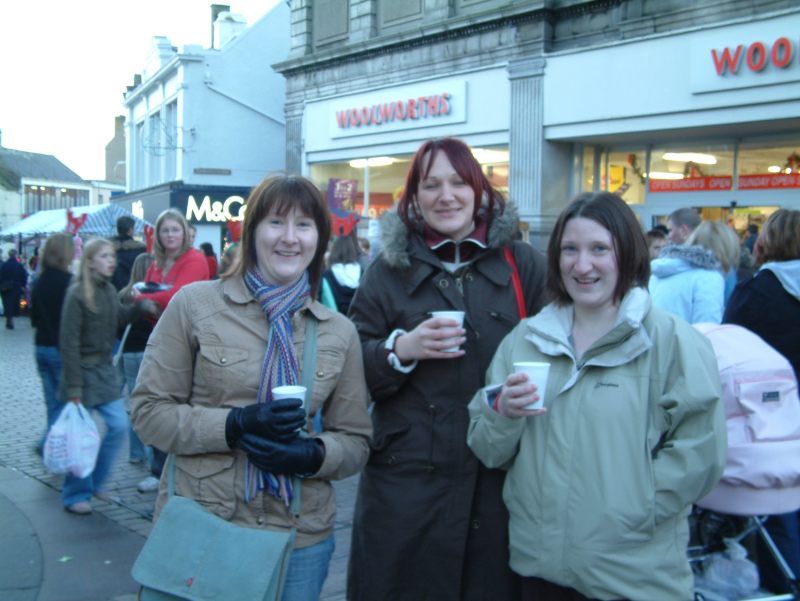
point(429, 520)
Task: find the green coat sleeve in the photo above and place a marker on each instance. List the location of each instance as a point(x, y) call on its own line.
point(69, 340)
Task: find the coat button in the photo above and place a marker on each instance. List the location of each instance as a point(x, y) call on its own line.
point(223, 360)
point(476, 524)
point(320, 373)
point(443, 283)
point(470, 277)
point(260, 520)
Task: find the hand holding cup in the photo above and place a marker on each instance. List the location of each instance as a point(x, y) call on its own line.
point(523, 392)
point(436, 338)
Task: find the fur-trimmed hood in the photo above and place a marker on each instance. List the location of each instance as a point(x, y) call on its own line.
point(126, 243)
point(677, 258)
point(394, 234)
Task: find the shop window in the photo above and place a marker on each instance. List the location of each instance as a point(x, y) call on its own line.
point(623, 174)
point(768, 166)
point(380, 180)
point(588, 170)
point(691, 169)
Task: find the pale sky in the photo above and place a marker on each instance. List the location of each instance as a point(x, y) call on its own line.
point(65, 64)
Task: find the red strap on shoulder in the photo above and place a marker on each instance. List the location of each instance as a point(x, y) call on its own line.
point(516, 281)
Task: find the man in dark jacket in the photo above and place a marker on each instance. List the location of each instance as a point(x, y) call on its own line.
point(13, 279)
point(127, 250)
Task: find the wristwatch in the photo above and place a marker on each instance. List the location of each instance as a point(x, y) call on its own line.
point(392, 358)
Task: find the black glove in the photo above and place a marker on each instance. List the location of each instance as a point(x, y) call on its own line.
point(302, 456)
point(279, 420)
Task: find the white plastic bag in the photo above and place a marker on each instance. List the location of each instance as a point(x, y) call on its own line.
point(729, 573)
point(72, 442)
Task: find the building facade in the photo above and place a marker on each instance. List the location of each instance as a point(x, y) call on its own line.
point(204, 126)
point(669, 104)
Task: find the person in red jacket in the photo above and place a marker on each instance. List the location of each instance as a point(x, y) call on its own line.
point(211, 259)
point(177, 263)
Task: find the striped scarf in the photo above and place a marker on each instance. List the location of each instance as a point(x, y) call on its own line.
point(280, 368)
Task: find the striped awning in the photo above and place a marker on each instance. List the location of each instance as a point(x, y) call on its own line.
point(101, 221)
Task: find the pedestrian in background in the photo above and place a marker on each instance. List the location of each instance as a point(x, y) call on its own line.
point(204, 391)
point(769, 305)
point(229, 258)
point(126, 249)
point(344, 273)
point(47, 300)
point(656, 241)
point(211, 259)
point(688, 280)
point(681, 223)
point(132, 352)
point(176, 264)
point(13, 279)
point(429, 519)
point(88, 334)
point(601, 480)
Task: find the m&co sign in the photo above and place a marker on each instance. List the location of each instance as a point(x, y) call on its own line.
point(756, 57)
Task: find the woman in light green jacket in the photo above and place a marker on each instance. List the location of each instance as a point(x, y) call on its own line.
point(600, 482)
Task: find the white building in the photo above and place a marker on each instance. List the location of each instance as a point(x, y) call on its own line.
point(204, 126)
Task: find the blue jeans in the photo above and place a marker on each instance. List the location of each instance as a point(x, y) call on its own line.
point(117, 425)
point(130, 370)
point(48, 360)
point(307, 571)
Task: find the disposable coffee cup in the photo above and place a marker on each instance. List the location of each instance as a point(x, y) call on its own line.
point(537, 374)
point(454, 315)
point(290, 392)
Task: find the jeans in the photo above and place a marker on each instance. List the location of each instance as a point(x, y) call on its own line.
point(48, 360)
point(130, 367)
point(307, 571)
point(117, 424)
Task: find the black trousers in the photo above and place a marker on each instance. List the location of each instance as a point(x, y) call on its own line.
point(536, 589)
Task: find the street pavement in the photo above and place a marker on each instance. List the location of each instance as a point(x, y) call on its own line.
point(48, 554)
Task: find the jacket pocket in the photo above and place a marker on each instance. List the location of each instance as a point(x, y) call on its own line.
point(208, 479)
point(222, 365)
point(384, 445)
point(317, 508)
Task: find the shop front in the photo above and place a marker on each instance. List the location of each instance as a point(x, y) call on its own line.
point(207, 208)
point(358, 147)
point(709, 119)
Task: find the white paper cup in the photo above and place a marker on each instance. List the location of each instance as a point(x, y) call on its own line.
point(454, 315)
point(289, 392)
point(537, 374)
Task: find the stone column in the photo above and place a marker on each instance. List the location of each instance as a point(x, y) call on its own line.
point(526, 136)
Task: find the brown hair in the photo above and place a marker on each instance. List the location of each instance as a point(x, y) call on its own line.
point(630, 244)
point(58, 252)
point(138, 273)
point(780, 238)
point(159, 252)
point(464, 163)
point(281, 194)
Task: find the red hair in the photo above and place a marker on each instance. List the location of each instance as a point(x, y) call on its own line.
point(463, 161)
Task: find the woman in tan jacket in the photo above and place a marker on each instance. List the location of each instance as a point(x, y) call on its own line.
point(204, 391)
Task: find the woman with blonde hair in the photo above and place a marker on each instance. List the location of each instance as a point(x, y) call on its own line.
point(688, 280)
point(47, 299)
point(88, 332)
point(176, 262)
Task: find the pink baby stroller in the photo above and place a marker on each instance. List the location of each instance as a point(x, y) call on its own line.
point(762, 473)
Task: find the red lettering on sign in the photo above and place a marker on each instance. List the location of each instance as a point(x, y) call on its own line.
point(342, 120)
point(433, 105)
point(386, 112)
point(412, 109)
point(726, 61)
point(400, 110)
point(782, 52)
point(756, 56)
point(444, 105)
point(354, 117)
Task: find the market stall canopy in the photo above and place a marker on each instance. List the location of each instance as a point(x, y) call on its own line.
point(101, 220)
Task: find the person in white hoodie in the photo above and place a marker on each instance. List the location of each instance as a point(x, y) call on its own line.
point(344, 273)
point(768, 304)
point(687, 280)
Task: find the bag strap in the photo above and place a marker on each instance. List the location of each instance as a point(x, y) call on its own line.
point(309, 367)
point(516, 281)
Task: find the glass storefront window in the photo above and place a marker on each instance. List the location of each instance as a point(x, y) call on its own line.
point(588, 169)
point(691, 168)
point(769, 166)
point(624, 174)
point(381, 179)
